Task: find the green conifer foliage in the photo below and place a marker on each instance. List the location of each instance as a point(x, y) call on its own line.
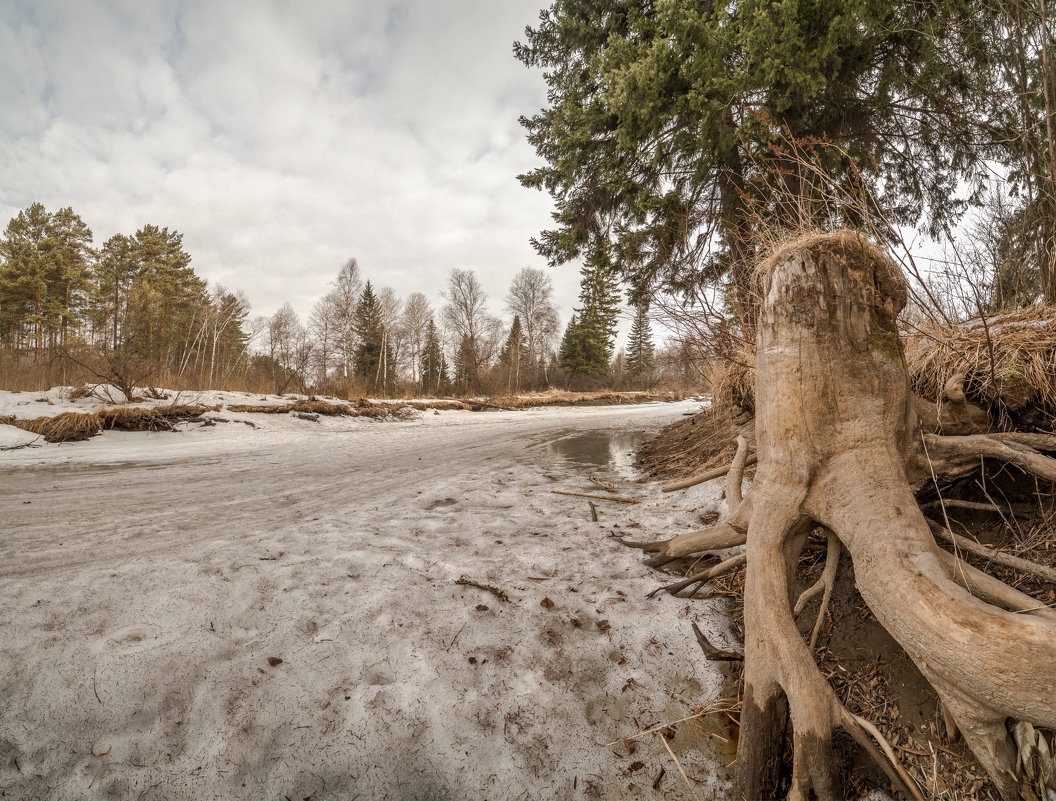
point(640, 344)
point(515, 357)
point(434, 367)
point(367, 324)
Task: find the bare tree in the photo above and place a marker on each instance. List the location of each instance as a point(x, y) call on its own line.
point(345, 295)
point(289, 348)
point(326, 328)
point(467, 317)
point(417, 314)
point(531, 297)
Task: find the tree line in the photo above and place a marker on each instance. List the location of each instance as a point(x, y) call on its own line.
point(133, 312)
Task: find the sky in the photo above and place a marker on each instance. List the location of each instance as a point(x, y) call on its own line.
point(283, 138)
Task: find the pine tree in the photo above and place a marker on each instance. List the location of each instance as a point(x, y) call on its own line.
point(370, 335)
point(640, 344)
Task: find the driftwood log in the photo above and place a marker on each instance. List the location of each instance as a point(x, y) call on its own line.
point(843, 444)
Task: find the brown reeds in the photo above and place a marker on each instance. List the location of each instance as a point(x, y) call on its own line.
point(78, 426)
point(65, 427)
point(313, 405)
point(1009, 360)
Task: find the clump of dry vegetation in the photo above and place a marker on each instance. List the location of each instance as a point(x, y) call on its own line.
point(1008, 360)
point(313, 405)
point(78, 426)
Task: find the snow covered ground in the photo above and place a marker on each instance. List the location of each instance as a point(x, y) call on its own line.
point(151, 582)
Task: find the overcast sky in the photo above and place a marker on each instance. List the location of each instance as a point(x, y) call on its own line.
point(282, 138)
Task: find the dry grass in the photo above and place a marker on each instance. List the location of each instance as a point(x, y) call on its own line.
point(563, 398)
point(77, 426)
point(695, 444)
point(66, 427)
point(1009, 360)
point(363, 408)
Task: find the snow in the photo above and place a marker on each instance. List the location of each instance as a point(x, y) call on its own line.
point(12, 437)
point(147, 578)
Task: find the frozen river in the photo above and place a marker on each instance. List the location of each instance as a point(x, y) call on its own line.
point(150, 584)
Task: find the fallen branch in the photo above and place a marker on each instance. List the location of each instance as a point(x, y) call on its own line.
point(485, 404)
point(596, 497)
point(465, 581)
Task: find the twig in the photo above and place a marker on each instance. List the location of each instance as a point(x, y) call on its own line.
point(457, 633)
point(868, 727)
point(711, 653)
point(983, 507)
point(593, 511)
point(679, 766)
point(704, 576)
point(596, 497)
point(102, 762)
point(602, 484)
point(694, 716)
point(468, 582)
point(94, 690)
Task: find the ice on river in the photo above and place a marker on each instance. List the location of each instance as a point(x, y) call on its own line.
point(150, 584)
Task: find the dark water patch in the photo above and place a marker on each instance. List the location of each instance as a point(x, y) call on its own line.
point(597, 449)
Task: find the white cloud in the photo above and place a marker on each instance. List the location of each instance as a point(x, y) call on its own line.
point(280, 138)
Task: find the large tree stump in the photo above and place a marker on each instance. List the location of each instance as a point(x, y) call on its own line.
point(841, 445)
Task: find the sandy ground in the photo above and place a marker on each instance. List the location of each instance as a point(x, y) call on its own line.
point(146, 580)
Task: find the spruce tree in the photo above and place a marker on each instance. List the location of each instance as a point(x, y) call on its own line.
point(592, 332)
point(367, 325)
point(515, 356)
point(660, 116)
point(433, 366)
point(640, 344)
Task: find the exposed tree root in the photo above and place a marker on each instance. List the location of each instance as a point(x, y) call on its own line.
point(702, 578)
point(1006, 559)
point(707, 475)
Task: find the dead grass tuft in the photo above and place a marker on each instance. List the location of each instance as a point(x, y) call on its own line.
point(1009, 361)
point(66, 427)
point(78, 426)
point(696, 444)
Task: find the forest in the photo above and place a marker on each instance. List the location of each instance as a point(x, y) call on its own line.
point(134, 312)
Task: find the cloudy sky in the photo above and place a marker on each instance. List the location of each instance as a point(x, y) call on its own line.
point(282, 138)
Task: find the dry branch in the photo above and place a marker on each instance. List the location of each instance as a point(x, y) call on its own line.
point(468, 582)
point(595, 497)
